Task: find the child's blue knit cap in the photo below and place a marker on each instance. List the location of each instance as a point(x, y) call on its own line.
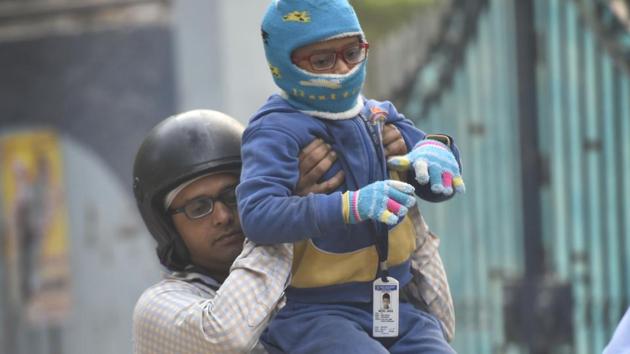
point(291, 24)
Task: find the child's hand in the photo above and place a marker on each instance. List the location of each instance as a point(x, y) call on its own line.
point(384, 201)
point(393, 142)
point(315, 160)
point(433, 163)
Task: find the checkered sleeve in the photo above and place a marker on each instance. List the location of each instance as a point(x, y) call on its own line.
point(429, 289)
point(177, 317)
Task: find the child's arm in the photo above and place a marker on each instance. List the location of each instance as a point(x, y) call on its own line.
point(269, 211)
point(440, 169)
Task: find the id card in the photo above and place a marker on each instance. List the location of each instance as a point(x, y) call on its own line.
point(385, 308)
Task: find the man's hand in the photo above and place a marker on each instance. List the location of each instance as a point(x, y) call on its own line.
point(393, 141)
point(315, 160)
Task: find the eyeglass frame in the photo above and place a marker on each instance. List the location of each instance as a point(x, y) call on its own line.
point(362, 45)
point(219, 198)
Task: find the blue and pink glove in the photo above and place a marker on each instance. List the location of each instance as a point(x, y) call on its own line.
point(385, 201)
point(433, 163)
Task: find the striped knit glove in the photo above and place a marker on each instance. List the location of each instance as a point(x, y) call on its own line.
point(384, 201)
point(433, 163)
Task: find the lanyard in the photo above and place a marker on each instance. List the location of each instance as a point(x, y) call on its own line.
point(374, 125)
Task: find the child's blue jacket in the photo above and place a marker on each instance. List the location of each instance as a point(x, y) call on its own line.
point(333, 261)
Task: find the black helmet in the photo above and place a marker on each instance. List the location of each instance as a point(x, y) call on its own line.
point(178, 149)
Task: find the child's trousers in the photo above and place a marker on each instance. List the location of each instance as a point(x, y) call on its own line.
point(301, 328)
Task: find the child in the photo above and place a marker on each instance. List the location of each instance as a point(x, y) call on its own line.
point(343, 241)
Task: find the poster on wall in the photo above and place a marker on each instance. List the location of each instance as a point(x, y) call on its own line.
point(36, 227)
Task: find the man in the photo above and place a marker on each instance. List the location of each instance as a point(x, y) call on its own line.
point(185, 173)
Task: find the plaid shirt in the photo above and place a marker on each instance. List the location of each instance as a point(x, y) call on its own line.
point(192, 313)
point(428, 289)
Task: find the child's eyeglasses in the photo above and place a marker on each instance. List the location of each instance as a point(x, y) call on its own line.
point(201, 206)
point(352, 54)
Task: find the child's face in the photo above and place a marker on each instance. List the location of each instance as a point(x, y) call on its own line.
point(334, 56)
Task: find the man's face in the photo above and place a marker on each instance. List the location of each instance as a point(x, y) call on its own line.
point(216, 239)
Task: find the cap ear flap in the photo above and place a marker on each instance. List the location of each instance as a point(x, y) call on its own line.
point(171, 249)
point(180, 255)
point(174, 254)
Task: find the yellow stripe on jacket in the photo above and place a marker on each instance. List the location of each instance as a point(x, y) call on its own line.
point(313, 267)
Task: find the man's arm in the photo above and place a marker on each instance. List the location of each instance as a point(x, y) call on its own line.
point(177, 316)
point(170, 314)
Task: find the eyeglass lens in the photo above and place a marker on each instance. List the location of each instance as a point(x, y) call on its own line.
point(203, 206)
point(353, 54)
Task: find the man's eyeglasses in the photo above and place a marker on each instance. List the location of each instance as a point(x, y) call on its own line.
point(201, 206)
point(352, 54)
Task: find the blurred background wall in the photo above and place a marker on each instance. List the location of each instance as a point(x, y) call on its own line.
point(535, 92)
point(81, 83)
